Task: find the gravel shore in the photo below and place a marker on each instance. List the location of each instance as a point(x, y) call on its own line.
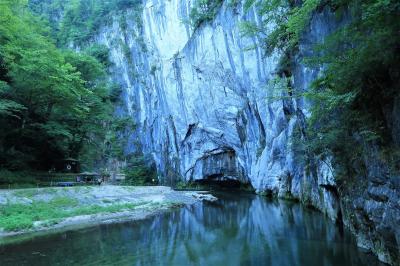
point(142, 202)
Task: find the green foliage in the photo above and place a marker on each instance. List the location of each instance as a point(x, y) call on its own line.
point(10, 108)
point(138, 172)
point(117, 136)
point(356, 90)
point(21, 216)
point(100, 52)
point(8, 178)
point(360, 81)
point(77, 21)
point(282, 22)
point(233, 3)
point(54, 104)
point(203, 11)
point(51, 11)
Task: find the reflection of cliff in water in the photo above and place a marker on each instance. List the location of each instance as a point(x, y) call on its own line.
point(254, 231)
point(245, 230)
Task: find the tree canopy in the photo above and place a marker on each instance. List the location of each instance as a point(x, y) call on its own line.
point(54, 103)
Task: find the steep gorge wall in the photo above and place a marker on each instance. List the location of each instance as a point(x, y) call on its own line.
point(207, 108)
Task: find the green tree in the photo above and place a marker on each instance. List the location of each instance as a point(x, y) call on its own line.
point(54, 104)
point(355, 93)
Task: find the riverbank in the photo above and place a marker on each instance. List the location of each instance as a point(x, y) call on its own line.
point(24, 211)
point(239, 229)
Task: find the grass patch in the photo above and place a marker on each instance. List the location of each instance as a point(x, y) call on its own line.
point(14, 217)
point(26, 193)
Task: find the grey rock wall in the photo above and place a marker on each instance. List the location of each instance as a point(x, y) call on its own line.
point(208, 108)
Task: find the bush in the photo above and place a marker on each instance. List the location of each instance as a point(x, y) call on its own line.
point(140, 172)
point(82, 19)
point(204, 10)
point(9, 178)
point(101, 53)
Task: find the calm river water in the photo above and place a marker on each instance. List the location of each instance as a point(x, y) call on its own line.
point(235, 230)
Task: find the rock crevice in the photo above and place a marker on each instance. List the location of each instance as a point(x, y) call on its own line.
point(207, 108)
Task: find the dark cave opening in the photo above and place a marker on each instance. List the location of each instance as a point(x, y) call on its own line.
point(224, 184)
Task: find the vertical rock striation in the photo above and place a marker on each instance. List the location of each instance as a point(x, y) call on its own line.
point(208, 108)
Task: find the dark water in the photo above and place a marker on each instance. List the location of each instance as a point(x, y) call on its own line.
point(236, 230)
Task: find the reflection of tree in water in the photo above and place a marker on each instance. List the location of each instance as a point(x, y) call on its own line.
point(245, 230)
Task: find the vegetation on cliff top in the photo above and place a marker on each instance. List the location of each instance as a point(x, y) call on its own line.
point(354, 95)
point(77, 21)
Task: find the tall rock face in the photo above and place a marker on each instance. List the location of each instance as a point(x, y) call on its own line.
point(209, 107)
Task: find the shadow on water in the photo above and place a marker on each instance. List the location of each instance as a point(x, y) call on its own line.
point(235, 230)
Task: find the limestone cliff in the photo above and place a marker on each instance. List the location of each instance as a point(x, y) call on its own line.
point(207, 107)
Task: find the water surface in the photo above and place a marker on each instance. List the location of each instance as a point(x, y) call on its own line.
point(235, 230)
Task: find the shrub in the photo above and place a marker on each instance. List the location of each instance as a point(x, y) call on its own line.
point(204, 10)
point(9, 177)
point(140, 172)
